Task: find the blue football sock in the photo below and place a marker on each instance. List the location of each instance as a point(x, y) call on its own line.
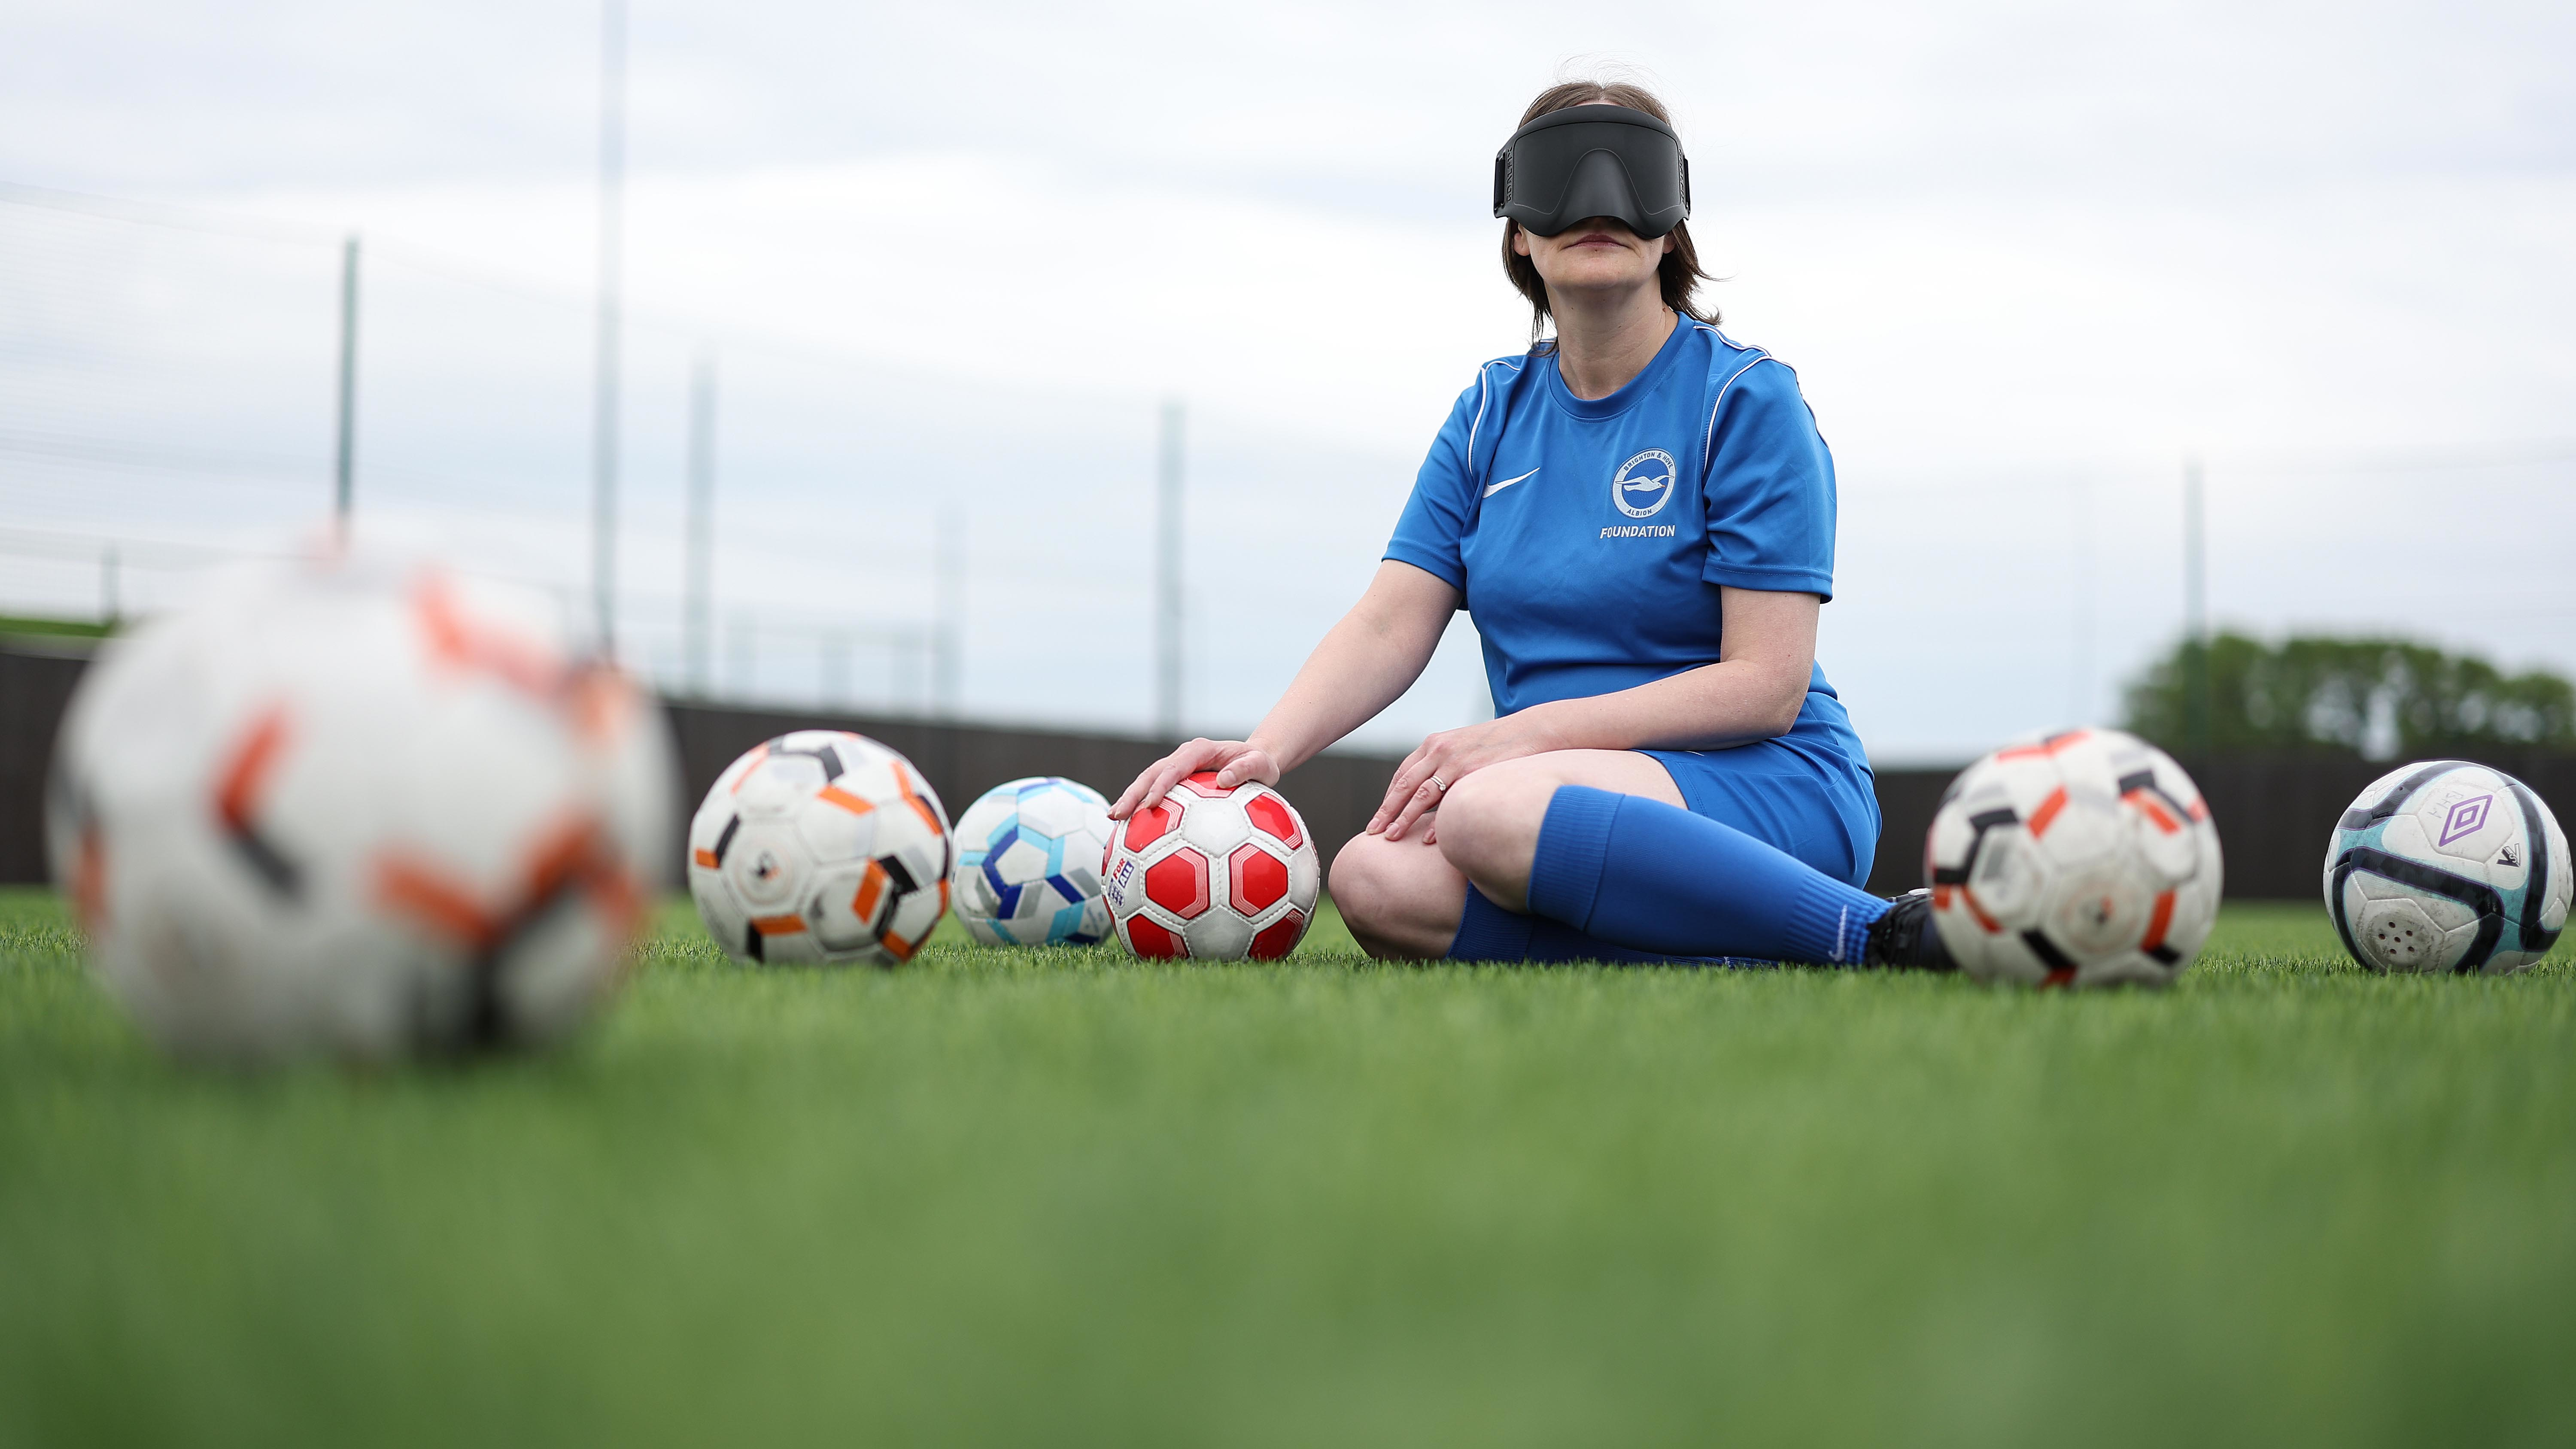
point(1487, 932)
point(1655, 877)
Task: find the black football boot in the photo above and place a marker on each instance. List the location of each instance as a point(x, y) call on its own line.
point(1904, 938)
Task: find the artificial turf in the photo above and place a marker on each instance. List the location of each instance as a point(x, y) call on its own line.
point(1063, 1197)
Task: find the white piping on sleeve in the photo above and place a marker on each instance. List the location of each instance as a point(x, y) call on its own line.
point(1484, 396)
point(1708, 439)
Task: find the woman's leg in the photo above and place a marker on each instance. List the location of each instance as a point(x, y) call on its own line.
point(1404, 898)
point(1644, 873)
point(1399, 897)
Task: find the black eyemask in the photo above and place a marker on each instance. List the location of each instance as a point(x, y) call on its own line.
point(1587, 161)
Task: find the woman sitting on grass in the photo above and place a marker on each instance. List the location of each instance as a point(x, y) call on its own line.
point(1638, 514)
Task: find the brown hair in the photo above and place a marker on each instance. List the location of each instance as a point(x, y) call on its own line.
point(1679, 271)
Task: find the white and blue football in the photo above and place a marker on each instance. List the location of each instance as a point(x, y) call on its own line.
point(2447, 867)
point(1028, 864)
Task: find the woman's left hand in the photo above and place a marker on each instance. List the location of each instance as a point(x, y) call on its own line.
point(1444, 759)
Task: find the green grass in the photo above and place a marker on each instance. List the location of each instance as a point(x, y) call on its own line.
point(58, 628)
point(1050, 1198)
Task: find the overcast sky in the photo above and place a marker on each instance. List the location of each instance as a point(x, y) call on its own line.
point(2025, 259)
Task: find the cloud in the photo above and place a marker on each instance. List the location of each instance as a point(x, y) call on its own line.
point(2023, 257)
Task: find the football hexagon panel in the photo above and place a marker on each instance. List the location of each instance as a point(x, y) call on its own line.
point(776, 786)
point(2400, 936)
point(1218, 936)
point(849, 903)
point(1178, 883)
point(2011, 876)
point(1015, 867)
point(1271, 816)
point(1280, 937)
point(1215, 826)
point(1148, 825)
point(2470, 817)
point(1052, 810)
point(766, 866)
point(2102, 912)
point(1148, 939)
point(837, 825)
point(976, 898)
point(1256, 879)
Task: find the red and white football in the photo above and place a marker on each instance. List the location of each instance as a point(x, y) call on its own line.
point(1213, 874)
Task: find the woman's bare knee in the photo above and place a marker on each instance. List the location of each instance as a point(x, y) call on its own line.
point(1489, 826)
point(1356, 889)
point(1398, 897)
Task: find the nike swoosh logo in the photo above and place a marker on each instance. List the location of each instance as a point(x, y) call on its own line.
point(1508, 482)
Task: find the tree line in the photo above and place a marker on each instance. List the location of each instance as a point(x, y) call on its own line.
point(2378, 698)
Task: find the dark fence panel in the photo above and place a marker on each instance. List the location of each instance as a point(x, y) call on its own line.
point(35, 685)
point(2276, 813)
point(2273, 812)
point(1335, 793)
point(1906, 801)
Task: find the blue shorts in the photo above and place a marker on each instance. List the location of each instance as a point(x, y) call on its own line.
point(1809, 792)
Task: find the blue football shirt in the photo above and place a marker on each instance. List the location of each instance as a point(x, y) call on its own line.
point(1590, 539)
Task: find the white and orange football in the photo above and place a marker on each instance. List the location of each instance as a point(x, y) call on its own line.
point(1212, 873)
point(2084, 858)
point(360, 808)
point(820, 846)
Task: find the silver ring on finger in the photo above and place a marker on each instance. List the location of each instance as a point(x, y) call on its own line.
point(1439, 784)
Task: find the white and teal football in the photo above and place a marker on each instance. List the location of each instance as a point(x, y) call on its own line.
point(1028, 864)
point(2444, 866)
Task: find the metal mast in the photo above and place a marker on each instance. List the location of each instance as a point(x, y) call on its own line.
point(1167, 578)
point(604, 414)
point(344, 468)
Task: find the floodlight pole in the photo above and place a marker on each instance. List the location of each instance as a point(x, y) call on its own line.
point(344, 469)
point(835, 670)
point(1167, 577)
point(948, 661)
point(2195, 608)
point(2079, 684)
point(604, 415)
point(698, 586)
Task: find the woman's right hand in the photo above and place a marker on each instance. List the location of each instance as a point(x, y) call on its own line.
point(1234, 761)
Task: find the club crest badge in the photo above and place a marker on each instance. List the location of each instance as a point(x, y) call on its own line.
point(1644, 484)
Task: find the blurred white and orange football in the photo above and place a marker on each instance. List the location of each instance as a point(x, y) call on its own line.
point(358, 808)
point(2084, 858)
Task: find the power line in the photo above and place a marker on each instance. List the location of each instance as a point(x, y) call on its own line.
point(177, 218)
point(2443, 458)
point(389, 251)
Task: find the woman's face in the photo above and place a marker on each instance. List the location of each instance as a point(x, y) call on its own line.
point(1598, 254)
